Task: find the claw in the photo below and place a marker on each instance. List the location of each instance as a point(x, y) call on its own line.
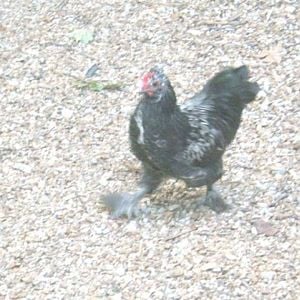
point(122, 204)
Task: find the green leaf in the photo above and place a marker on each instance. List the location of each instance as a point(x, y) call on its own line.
point(113, 86)
point(83, 35)
point(97, 86)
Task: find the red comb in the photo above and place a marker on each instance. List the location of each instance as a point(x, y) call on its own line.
point(146, 78)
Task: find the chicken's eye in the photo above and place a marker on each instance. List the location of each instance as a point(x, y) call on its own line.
point(155, 83)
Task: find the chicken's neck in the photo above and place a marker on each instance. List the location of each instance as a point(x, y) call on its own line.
point(162, 116)
point(164, 103)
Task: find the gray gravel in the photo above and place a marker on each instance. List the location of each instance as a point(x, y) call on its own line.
point(62, 147)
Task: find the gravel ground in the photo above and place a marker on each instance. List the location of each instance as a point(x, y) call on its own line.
point(61, 147)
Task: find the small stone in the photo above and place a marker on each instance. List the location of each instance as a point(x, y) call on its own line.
point(268, 275)
point(177, 272)
point(67, 113)
point(29, 277)
point(120, 271)
point(132, 227)
point(116, 296)
point(231, 256)
point(23, 167)
point(290, 9)
point(37, 236)
point(211, 267)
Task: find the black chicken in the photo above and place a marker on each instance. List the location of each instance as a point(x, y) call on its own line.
point(187, 141)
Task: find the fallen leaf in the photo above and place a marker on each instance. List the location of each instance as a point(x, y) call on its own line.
point(272, 55)
point(2, 28)
point(266, 228)
point(97, 86)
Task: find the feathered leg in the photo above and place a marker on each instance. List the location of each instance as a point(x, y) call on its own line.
point(200, 176)
point(127, 203)
point(213, 199)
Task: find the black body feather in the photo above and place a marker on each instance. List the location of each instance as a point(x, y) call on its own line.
point(196, 133)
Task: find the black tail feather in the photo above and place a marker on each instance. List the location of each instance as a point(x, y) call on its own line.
point(248, 91)
point(243, 72)
point(234, 81)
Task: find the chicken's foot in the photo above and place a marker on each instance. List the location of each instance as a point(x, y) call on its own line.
point(127, 203)
point(214, 200)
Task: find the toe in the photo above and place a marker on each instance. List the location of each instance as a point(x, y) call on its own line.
point(121, 204)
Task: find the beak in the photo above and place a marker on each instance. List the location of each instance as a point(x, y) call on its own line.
point(142, 90)
point(140, 87)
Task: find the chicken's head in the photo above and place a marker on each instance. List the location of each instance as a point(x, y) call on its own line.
point(153, 82)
